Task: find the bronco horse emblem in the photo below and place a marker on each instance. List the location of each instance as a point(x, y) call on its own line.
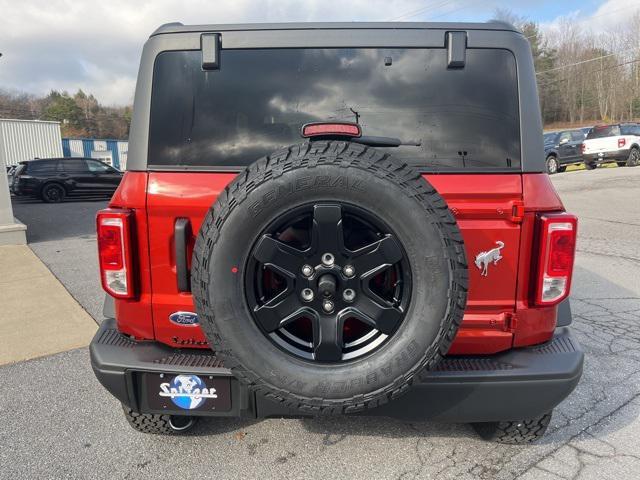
point(483, 259)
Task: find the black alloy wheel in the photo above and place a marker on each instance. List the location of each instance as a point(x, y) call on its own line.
point(53, 193)
point(328, 282)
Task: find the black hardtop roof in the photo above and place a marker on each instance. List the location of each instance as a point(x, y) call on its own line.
point(177, 27)
point(56, 158)
point(490, 35)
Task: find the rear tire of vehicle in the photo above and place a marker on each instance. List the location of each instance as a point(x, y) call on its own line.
point(634, 158)
point(514, 433)
point(622, 164)
point(590, 165)
point(552, 165)
point(347, 176)
point(52, 193)
point(562, 169)
point(159, 424)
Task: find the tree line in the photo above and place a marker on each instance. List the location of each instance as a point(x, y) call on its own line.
point(583, 78)
point(80, 115)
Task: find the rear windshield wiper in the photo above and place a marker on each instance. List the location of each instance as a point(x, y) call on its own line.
point(384, 141)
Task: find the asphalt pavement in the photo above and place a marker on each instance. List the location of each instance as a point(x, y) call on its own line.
point(58, 422)
point(63, 236)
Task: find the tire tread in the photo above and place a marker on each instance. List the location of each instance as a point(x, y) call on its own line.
point(514, 432)
point(308, 155)
point(148, 422)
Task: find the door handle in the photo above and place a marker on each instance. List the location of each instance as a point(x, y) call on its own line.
point(182, 233)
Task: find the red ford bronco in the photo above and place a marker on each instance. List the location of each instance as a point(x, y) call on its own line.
point(337, 218)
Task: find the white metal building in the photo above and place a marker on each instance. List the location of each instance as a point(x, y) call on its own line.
point(22, 140)
point(28, 139)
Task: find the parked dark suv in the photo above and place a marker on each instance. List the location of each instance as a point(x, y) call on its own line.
point(53, 179)
point(562, 148)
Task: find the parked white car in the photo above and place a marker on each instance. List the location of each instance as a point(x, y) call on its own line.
point(618, 143)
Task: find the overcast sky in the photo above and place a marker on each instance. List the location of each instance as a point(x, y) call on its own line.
point(95, 44)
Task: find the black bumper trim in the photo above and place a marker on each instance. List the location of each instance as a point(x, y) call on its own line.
point(610, 156)
point(514, 385)
point(531, 381)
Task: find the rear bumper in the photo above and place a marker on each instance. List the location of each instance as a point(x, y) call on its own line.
point(614, 155)
point(518, 384)
point(22, 189)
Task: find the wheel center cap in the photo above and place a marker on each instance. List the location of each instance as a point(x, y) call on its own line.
point(327, 285)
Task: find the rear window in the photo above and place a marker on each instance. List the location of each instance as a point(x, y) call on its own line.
point(258, 101)
point(98, 167)
point(75, 166)
point(604, 131)
point(630, 129)
point(577, 135)
point(42, 168)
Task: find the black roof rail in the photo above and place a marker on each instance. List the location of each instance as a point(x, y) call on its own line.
point(503, 24)
point(177, 27)
point(167, 25)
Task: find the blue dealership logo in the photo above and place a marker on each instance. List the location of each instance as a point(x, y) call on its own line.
point(187, 391)
point(184, 319)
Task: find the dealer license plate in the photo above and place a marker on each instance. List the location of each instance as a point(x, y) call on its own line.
point(188, 392)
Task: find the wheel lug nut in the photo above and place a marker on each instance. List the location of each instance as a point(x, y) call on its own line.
point(349, 271)
point(328, 260)
point(349, 295)
point(306, 294)
point(327, 306)
point(307, 270)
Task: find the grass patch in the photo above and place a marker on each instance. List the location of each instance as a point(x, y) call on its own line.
point(573, 168)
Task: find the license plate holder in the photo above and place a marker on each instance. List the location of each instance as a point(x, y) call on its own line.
point(187, 392)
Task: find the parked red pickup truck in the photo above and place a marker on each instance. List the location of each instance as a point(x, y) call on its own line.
point(343, 219)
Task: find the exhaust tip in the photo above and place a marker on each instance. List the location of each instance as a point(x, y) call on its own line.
point(181, 423)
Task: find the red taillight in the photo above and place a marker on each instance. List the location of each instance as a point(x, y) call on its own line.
point(319, 129)
point(557, 250)
point(622, 142)
point(582, 148)
point(110, 241)
point(114, 252)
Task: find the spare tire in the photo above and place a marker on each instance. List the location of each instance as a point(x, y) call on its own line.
point(328, 275)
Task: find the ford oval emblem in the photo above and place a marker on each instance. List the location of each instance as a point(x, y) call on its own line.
point(185, 319)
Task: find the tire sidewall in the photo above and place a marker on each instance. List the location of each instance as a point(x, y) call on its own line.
point(47, 188)
point(227, 320)
point(552, 161)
